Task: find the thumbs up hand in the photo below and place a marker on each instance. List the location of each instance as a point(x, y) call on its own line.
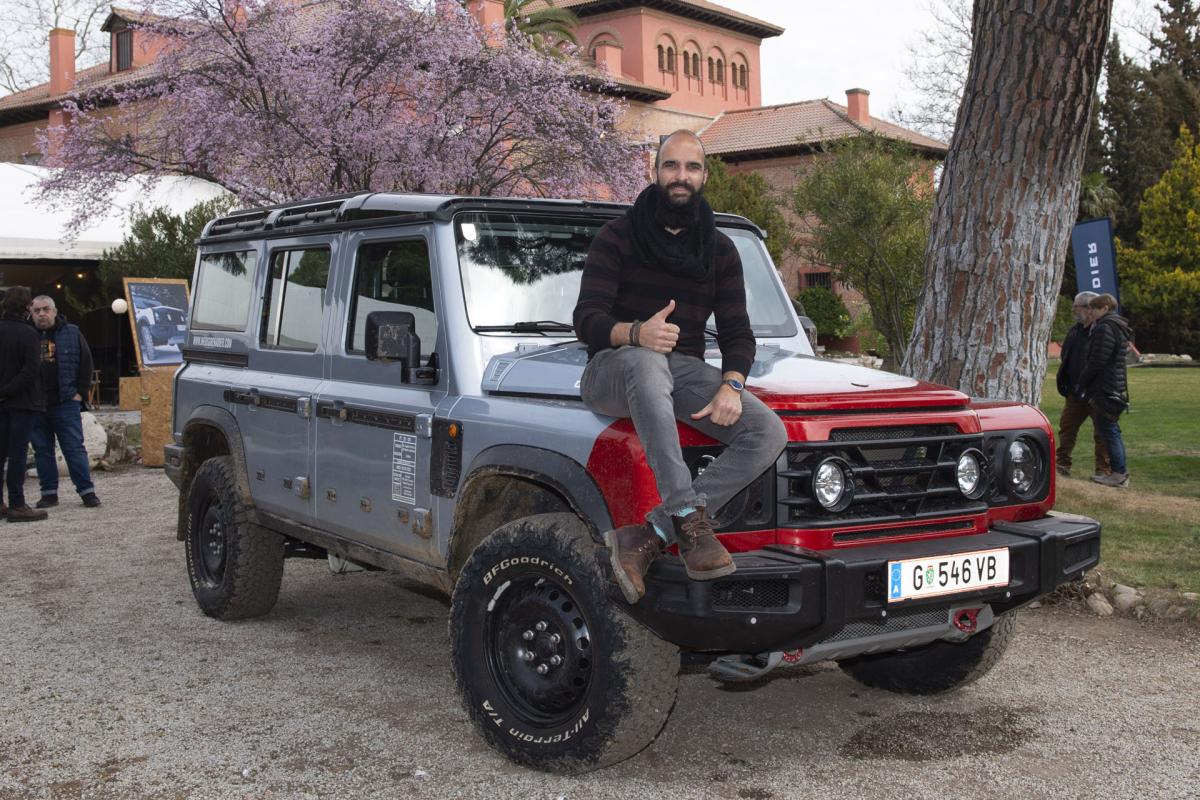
point(657, 334)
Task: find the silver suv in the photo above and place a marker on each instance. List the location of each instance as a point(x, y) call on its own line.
point(390, 380)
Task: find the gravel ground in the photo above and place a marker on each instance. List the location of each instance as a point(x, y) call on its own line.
point(113, 685)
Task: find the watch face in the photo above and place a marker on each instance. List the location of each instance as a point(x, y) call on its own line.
point(736, 384)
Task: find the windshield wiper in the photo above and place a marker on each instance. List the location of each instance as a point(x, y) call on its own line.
point(542, 326)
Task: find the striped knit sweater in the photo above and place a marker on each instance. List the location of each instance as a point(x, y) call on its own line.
point(618, 286)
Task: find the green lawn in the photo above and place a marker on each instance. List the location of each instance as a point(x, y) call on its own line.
point(1152, 528)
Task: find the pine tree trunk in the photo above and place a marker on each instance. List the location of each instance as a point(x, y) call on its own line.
point(1008, 197)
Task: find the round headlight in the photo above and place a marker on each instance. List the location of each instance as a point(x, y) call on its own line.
point(1023, 467)
point(969, 473)
point(832, 484)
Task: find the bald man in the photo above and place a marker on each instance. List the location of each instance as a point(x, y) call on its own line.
point(650, 282)
point(66, 378)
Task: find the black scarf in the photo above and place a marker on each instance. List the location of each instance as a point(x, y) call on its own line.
point(687, 254)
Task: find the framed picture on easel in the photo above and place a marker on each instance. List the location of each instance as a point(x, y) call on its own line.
point(158, 315)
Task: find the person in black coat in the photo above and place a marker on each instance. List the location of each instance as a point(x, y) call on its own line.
point(1103, 382)
point(1075, 409)
point(20, 397)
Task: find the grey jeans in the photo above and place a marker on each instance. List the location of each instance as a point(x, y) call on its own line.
point(655, 390)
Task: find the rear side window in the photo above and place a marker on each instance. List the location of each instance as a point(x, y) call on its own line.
point(393, 276)
point(295, 299)
point(223, 284)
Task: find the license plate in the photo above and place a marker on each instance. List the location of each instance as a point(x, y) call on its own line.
point(914, 578)
point(181, 328)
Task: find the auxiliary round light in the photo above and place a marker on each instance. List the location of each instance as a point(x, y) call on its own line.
point(969, 474)
point(833, 485)
point(1023, 467)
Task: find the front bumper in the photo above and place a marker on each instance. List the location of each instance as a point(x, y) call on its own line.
point(785, 598)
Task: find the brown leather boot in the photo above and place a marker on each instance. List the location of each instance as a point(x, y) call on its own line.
point(25, 514)
point(703, 555)
point(633, 549)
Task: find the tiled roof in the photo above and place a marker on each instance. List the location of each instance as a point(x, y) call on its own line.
point(130, 16)
point(697, 9)
point(40, 95)
point(793, 125)
point(86, 80)
point(624, 86)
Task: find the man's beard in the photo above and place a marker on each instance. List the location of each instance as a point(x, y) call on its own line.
point(677, 215)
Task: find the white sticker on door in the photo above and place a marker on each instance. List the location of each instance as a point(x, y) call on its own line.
point(404, 468)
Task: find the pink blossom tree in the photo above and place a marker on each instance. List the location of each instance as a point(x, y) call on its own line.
point(276, 100)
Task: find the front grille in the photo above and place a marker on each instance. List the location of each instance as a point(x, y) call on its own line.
point(882, 434)
point(894, 622)
point(750, 594)
point(899, 474)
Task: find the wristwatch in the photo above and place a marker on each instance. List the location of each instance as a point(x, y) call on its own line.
point(735, 384)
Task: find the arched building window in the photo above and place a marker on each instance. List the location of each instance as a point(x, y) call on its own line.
point(662, 58)
point(687, 63)
point(670, 59)
point(712, 72)
point(696, 64)
point(720, 71)
point(745, 80)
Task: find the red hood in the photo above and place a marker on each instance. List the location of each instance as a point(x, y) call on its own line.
point(789, 382)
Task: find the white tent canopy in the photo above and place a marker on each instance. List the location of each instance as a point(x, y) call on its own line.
point(29, 230)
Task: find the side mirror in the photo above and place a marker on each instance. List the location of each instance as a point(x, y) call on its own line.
point(391, 336)
point(810, 330)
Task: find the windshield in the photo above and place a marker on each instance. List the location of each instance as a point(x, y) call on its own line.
point(519, 269)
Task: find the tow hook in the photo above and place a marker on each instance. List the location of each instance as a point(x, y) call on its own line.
point(792, 656)
point(967, 619)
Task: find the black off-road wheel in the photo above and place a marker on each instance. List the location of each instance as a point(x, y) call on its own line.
point(936, 667)
point(146, 339)
point(235, 567)
point(552, 673)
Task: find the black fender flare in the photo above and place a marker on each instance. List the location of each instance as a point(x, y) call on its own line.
point(564, 475)
point(223, 421)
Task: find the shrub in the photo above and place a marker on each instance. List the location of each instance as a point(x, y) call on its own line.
point(827, 311)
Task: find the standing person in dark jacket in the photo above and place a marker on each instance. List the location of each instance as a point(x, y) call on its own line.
point(651, 279)
point(1103, 382)
point(1076, 409)
point(66, 379)
point(20, 397)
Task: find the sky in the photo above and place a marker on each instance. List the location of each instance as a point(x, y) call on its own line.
point(829, 47)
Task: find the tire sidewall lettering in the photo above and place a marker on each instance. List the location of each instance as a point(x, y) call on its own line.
point(525, 561)
point(580, 724)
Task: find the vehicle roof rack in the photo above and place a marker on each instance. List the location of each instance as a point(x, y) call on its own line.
point(397, 205)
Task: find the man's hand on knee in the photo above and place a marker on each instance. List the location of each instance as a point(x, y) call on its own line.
point(724, 409)
point(657, 334)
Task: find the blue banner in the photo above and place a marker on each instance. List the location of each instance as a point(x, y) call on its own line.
point(1095, 257)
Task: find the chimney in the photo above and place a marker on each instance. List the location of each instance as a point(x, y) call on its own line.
point(490, 16)
point(856, 103)
point(62, 60)
point(608, 58)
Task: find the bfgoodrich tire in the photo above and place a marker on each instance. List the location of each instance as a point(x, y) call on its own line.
point(234, 566)
point(552, 674)
point(936, 667)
